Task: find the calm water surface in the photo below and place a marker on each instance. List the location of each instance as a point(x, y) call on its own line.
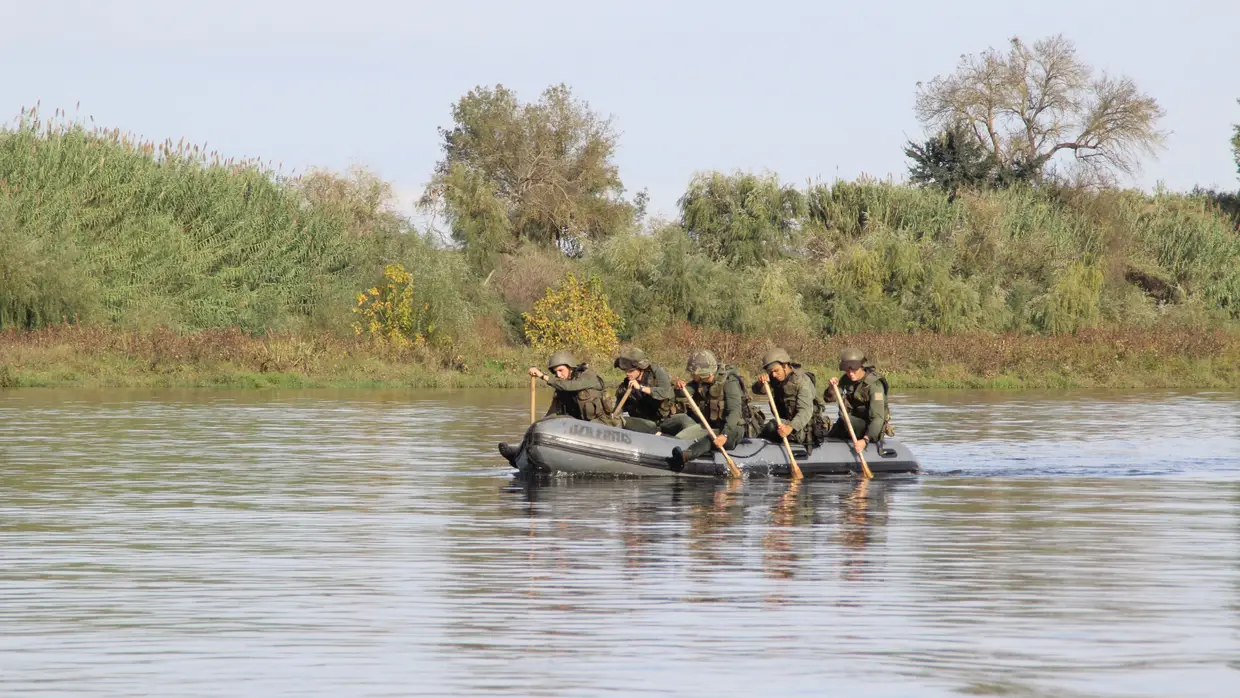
point(371, 543)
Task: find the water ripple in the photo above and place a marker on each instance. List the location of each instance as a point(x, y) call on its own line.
point(373, 543)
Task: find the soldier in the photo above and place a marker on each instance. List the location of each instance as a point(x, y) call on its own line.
point(793, 390)
point(720, 396)
point(865, 395)
point(579, 390)
point(579, 394)
point(651, 398)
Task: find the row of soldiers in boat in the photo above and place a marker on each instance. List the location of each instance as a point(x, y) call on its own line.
point(649, 400)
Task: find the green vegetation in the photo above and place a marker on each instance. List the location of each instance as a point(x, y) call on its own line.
point(129, 262)
point(67, 355)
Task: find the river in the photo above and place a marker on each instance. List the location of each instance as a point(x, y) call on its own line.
point(374, 543)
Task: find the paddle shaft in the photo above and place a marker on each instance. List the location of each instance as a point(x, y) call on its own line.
point(796, 469)
point(865, 468)
point(616, 412)
point(533, 397)
point(735, 471)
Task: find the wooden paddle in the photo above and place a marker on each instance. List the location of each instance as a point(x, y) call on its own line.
point(616, 412)
point(533, 396)
point(796, 469)
point(865, 469)
point(732, 469)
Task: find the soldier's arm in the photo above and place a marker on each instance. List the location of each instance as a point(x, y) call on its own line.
point(878, 413)
point(661, 388)
point(584, 381)
point(805, 406)
point(733, 395)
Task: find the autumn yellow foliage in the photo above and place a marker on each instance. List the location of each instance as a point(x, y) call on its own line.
point(391, 313)
point(576, 316)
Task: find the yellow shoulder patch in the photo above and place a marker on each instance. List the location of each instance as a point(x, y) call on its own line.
point(878, 395)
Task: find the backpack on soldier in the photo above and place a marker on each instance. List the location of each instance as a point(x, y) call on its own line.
point(819, 423)
point(749, 417)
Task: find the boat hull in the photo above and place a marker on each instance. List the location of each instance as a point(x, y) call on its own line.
point(578, 447)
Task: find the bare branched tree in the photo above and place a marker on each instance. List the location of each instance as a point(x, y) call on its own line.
point(1033, 102)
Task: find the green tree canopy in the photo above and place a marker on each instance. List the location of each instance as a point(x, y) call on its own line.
point(541, 172)
point(1235, 144)
point(950, 161)
point(742, 218)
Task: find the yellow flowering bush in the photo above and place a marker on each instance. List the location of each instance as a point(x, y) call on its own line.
point(573, 315)
point(392, 314)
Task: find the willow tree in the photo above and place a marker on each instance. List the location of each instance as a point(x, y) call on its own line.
point(1034, 102)
point(1235, 144)
point(743, 218)
point(541, 172)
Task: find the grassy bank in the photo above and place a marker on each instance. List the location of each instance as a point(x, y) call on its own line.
point(131, 263)
point(97, 357)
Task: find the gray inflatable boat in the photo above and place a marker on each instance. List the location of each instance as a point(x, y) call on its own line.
point(566, 445)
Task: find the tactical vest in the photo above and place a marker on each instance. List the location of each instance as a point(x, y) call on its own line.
point(588, 404)
point(785, 393)
point(644, 406)
point(857, 397)
point(710, 398)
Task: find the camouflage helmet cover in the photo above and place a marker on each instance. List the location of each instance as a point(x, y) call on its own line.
point(561, 358)
point(851, 358)
point(702, 364)
point(775, 356)
point(632, 358)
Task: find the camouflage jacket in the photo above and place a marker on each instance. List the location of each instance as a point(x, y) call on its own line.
point(866, 400)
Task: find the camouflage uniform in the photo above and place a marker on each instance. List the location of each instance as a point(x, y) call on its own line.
point(645, 411)
point(794, 399)
point(580, 396)
point(866, 400)
point(721, 401)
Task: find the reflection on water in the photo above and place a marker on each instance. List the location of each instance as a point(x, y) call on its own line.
point(374, 543)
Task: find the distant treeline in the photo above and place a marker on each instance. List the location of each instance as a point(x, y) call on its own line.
point(100, 228)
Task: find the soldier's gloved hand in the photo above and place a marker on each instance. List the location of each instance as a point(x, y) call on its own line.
point(784, 430)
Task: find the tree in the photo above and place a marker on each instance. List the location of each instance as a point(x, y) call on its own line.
point(574, 316)
point(541, 172)
point(1030, 104)
point(1235, 144)
point(743, 218)
point(950, 160)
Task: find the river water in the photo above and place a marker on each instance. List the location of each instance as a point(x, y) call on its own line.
point(366, 543)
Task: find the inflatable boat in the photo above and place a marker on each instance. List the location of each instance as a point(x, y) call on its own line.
point(565, 445)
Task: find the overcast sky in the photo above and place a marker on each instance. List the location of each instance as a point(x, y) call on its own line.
point(803, 89)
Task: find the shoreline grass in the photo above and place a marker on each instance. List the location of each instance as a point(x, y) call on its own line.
point(93, 357)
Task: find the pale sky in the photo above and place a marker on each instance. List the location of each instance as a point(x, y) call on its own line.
point(803, 89)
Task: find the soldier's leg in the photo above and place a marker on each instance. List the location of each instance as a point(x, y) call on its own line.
point(839, 431)
point(645, 426)
point(675, 424)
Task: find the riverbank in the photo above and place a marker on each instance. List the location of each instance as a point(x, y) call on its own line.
point(97, 357)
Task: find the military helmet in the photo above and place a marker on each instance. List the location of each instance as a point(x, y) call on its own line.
point(775, 356)
point(561, 358)
point(632, 358)
point(851, 358)
point(702, 364)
